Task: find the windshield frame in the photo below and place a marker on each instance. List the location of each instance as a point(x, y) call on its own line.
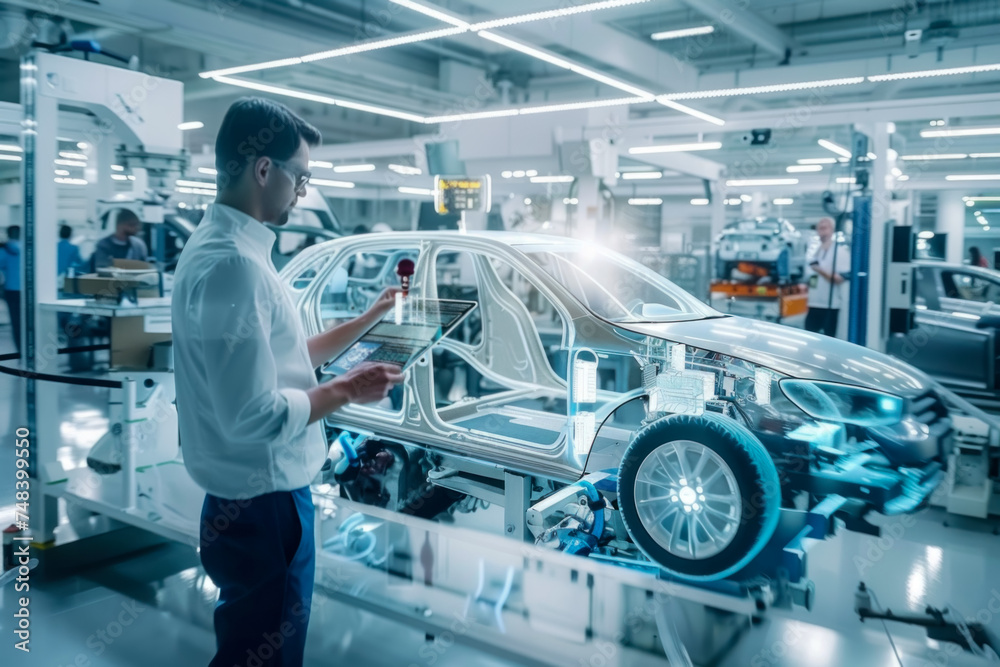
point(694, 309)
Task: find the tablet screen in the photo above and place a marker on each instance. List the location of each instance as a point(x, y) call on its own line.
point(402, 337)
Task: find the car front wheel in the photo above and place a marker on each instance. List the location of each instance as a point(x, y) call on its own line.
point(699, 495)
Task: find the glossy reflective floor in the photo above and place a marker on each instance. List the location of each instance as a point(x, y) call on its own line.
point(154, 609)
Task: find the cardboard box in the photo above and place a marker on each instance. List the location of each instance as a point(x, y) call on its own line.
point(107, 288)
point(131, 344)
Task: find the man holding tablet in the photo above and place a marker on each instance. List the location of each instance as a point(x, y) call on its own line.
point(248, 403)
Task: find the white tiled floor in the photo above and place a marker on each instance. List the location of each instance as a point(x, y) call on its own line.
point(158, 595)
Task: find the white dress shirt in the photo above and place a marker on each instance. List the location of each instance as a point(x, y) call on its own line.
point(819, 296)
point(241, 364)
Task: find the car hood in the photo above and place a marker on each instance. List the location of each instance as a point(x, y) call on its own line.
point(793, 352)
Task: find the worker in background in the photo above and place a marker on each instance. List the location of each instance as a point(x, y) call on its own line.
point(829, 265)
point(976, 258)
point(68, 254)
point(10, 266)
point(249, 407)
point(123, 244)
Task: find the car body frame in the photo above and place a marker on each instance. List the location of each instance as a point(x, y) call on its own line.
point(584, 365)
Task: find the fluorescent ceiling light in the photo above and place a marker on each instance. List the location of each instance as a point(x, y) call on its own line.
point(11, 147)
point(568, 10)
point(205, 185)
point(746, 198)
point(476, 115)
point(975, 199)
point(558, 61)
point(191, 125)
point(802, 168)
point(10, 158)
point(973, 177)
point(571, 201)
point(677, 106)
point(195, 191)
point(699, 202)
point(551, 179)
point(320, 164)
point(758, 90)
point(750, 182)
point(683, 32)
point(322, 99)
point(783, 201)
point(352, 168)
point(645, 201)
point(330, 184)
point(71, 181)
point(117, 167)
point(416, 191)
point(572, 106)
point(817, 160)
point(242, 69)
point(733, 202)
point(432, 12)
point(904, 177)
point(676, 148)
point(926, 235)
point(381, 111)
point(979, 155)
point(641, 175)
point(62, 172)
point(208, 171)
point(836, 148)
point(376, 44)
point(960, 132)
point(405, 170)
point(935, 72)
point(70, 163)
point(119, 177)
point(935, 156)
point(847, 180)
point(458, 24)
point(82, 145)
point(72, 156)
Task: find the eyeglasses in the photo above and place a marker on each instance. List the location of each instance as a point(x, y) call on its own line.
point(299, 178)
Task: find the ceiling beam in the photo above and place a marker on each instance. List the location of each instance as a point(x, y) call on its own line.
point(736, 16)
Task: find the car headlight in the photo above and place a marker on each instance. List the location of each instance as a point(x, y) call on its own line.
point(830, 401)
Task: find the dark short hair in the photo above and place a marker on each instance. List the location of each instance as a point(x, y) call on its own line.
point(253, 128)
point(14, 232)
point(65, 231)
point(126, 216)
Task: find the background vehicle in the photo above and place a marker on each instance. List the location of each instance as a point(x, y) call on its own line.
point(650, 426)
point(765, 247)
point(946, 343)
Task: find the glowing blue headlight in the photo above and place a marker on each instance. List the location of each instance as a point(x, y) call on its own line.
point(847, 404)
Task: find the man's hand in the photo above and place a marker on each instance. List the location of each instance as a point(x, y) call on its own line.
point(369, 382)
point(383, 304)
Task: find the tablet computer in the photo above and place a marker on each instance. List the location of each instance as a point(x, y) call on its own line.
point(403, 338)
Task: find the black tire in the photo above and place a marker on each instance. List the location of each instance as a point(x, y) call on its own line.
point(755, 475)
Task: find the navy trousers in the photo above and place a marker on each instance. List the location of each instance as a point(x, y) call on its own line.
point(261, 553)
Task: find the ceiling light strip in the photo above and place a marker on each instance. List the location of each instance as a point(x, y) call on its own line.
point(554, 14)
point(677, 106)
point(950, 71)
point(683, 32)
point(759, 90)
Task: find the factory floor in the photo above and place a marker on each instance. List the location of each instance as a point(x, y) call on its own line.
point(154, 608)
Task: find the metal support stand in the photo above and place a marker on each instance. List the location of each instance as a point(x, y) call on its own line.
point(517, 492)
point(673, 647)
point(857, 326)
